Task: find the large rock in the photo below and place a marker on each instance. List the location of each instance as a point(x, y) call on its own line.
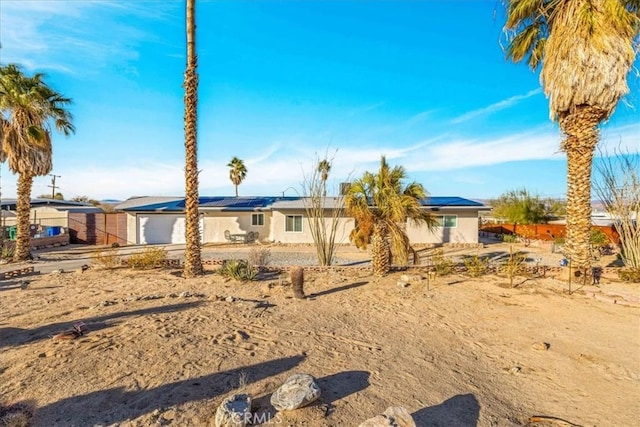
point(395, 416)
point(298, 391)
point(234, 411)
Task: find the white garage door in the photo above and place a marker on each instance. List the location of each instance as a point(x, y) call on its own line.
point(162, 228)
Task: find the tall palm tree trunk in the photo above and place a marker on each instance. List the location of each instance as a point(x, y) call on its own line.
point(380, 250)
point(23, 215)
point(193, 260)
point(582, 133)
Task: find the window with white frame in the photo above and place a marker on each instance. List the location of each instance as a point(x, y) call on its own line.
point(293, 224)
point(447, 221)
point(257, 219)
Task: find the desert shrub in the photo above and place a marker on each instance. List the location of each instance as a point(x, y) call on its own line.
point(106, 259)
point(238, 269)
point(476, 266)
point(148, 259)
point(443, 265)
point(629, 275)
point(509, 238)
point(514, 265)
point(259, 256)
point(17, 415)
point(598, 238)
point(7, 251)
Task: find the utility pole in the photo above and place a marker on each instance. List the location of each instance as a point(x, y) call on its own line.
point(53, 185)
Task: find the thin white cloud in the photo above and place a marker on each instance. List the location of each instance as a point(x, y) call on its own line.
point(284, 164)
point(65, 36)
point(501, 105)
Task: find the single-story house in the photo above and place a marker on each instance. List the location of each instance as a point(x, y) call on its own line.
point(45, 212)
point(160, 220)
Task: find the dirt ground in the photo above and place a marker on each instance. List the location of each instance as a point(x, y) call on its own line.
point(457, 351)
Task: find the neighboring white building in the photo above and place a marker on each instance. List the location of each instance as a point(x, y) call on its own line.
point(161, 220)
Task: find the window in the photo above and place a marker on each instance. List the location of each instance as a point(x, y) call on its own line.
point(293, 223)
point(447, 221)
point(257, 219)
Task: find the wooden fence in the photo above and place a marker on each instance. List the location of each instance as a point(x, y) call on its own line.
point(98, 228)
point(548, 232)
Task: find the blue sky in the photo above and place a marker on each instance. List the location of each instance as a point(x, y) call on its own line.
point(282, 82)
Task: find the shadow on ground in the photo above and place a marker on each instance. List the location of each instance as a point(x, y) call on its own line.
point(334, 387)
point(18, 336)
point(115, 405)
point(338, 289)
point(462, 410)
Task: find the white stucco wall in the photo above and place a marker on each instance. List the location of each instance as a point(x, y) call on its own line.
point(41, 215)
point(466, 230)
point(278, 233)
point(215, 224)
point(132, 229)
point(273, 230)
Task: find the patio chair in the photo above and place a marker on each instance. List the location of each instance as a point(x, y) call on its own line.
point(227, 235)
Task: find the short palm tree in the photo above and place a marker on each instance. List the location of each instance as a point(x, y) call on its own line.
point(237, 173)
point(29, 109)
point(192, 255)
point(586, 50)
point(381, 207)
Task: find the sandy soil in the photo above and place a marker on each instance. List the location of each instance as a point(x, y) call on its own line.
point(162, 350)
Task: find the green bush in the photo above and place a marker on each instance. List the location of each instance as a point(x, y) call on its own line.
point(443, 265)
point(629, 275)
point(238, 269)
point(148, 259)
point(106, 259)
point(7, 251)
point(509, 238)
point(476, 266)
point(513, 266)
point(598, 238)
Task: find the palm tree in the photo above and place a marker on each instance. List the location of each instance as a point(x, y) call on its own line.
point(193, 256)
point(324, 167)
point(381, 208)
point(586, 50)
point(29, 109)
point(237, 173)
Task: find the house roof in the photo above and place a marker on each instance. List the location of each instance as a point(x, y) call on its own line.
point(177, 204)
point(53, 203)
point(236, 203)
point(438, 202)
point(145, 201)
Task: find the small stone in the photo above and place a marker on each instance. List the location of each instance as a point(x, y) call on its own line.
point(394, 416)
point(229, 299)
point(234, 411)
point(58, 271)
point(515, 370)
point(184, 294)
point(297, 391)
point(403, 284)
point(242, 335)
point(541, 346)
point(411, 278)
